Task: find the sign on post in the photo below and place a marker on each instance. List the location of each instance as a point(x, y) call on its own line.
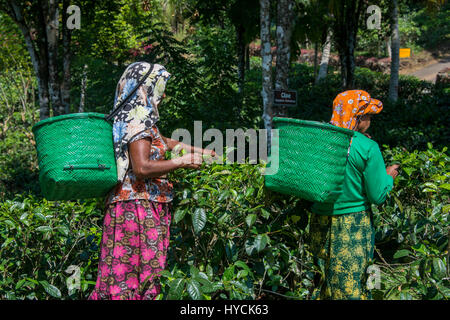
point(405, 52)
point(285, 98)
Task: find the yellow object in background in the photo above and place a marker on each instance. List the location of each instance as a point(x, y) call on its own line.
point(405, 52)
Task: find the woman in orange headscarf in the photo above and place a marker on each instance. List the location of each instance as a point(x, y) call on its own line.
point(350, 107)
point(342, 233)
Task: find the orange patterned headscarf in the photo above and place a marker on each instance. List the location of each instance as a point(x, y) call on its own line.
point(349, 105)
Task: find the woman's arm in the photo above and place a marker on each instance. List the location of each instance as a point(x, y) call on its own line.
point(144, 168)
point(378, 181)
point(171, 144)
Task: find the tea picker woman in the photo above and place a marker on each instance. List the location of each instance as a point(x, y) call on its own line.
point(342, 233)
point(135, 236)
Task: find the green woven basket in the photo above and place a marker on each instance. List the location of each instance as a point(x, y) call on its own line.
point(312, 159)
point(76, 156)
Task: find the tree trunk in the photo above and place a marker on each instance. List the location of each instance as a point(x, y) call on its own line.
point(323, 69)
point(348, 63)
point(51, 16)
point(395, 60)
point(247, 57)
point(42, 44)
point(65, 85)
point(16, 14)
point(266, 56)
point(284, 32)
point(347, 19)
point(83, 88)
point(44, 96)
point(316, 49)
point(241, 58)
point(388, 47)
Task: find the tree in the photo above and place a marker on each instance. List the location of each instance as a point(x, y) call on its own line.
point(111, 29)
point(323, 69)
point(17, 84)
point(312, 24)
point(346, 18)
point(108, 33)
point(284, 33)
point(285, 10)
point(173, 14)
point(243, 15)
point(266, 55)
point(395, 55)
point(39, 24)
point(432, 6)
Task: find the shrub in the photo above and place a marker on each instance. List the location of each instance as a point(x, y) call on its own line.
point(233, 239)
point(40, 239)
point(419, 116)
point(413, 227)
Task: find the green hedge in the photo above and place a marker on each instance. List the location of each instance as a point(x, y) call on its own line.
point(233, 239)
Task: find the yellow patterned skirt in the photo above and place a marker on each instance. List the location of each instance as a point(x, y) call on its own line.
point(343, 246)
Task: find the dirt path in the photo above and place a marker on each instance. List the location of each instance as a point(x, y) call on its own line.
point(429, 73)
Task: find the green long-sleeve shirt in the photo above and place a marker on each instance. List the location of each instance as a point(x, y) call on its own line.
point(366, 181)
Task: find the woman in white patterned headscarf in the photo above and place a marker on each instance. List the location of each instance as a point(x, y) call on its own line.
point(137, 219)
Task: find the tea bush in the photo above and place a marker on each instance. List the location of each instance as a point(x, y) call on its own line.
point(413, 227)
point(233, 239)
point(230, 237)
point(40, 239)
point(256, 233)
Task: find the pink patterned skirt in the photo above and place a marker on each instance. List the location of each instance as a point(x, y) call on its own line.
point(133, 250)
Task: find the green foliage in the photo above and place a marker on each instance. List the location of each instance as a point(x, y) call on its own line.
point(413, 227)
point(110, 28)
point(233, 239)
point(230, 237)
point(40, 240)
point(18, 164)
point(311, 21)
point(102, 78)
point(204, 77)
point(420, 27)
point(425, 27)
point(13, 52)
point(419, 117)
point(17, 115)
point(214, 13)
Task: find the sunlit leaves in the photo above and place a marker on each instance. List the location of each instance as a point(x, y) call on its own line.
point(199, 219)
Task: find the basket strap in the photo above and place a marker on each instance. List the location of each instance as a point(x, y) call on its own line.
point(127, 99)
point(98, 166)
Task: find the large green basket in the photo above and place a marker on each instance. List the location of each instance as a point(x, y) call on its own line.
point(312, 159)
point(76, 156)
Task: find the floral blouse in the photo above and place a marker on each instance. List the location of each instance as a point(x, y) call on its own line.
point(153, 189)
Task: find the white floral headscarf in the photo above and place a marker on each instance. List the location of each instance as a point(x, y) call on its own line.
point(140, 112)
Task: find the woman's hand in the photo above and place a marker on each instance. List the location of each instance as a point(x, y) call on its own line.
point(393, 170)
point(189, 161)
point(209, 152)
point(145, 168)
point(177, 146)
